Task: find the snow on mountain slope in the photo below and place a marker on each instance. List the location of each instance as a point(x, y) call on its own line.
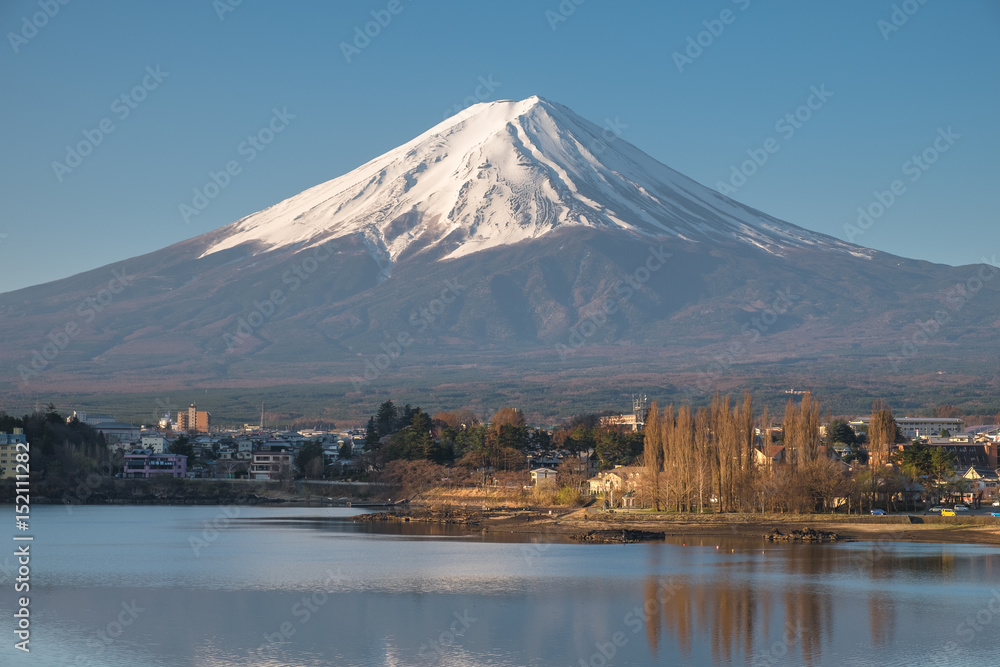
point(503, 172)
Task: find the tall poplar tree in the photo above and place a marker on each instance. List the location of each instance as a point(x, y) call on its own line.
point(652, 455)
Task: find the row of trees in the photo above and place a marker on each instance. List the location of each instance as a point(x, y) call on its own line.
point(691, 459)
point(503, 444)
point(712, 459)
point(62, 454)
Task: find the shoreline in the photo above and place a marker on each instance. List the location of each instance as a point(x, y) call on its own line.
point(569, 523)
point(575, 522)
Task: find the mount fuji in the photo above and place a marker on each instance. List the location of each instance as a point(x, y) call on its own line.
point(500, 173)
point(512, 248)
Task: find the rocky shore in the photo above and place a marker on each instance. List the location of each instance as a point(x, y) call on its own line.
point(802, 535)
point(425, 516)
point(624, 536)
point(591, 526)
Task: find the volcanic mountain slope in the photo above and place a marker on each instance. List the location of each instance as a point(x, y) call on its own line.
point(514, 239)
point(500, 173)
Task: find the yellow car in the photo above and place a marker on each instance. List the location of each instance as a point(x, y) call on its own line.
point(947, 512)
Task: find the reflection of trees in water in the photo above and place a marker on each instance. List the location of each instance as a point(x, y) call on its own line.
point(736, 613)
point(651, 597)
point(779, 610)
point(881, 619)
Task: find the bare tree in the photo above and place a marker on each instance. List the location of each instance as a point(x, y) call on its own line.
point(881, 434)
point(801, 429)
point(652, 455)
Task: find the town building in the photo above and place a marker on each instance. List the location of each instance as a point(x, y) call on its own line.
point(270, 465)
point(543, 475)
point(985, 482)
point(9, 451)
point(89, 418)
point(980, 455)
point(155, 442)
point(634, 421)
point(193, 420)
point(768, 456)
point(913, 427)
point(144, 464)
point(118, 432)
point(620, 485)
point(628, 421)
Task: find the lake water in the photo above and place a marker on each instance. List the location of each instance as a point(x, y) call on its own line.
point(159, 586)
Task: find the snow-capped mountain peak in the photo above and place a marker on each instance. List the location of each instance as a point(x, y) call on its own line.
point(502, 172)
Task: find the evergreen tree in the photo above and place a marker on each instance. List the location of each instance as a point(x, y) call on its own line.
point(387, 419)
point(310, 460)
point(840, 431)
point(371, 434)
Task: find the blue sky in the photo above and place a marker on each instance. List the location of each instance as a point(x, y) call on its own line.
point(208, 78)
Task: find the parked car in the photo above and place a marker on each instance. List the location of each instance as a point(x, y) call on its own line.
point(878, 512)
point(947, 512)
point(996, 503)
point(936, 508)
point(961, 508)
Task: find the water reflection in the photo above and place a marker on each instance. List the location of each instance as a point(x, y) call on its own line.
point(769, 609)
point(737, 616)
point(416, 529)
point(725, 615)
point(733, 602)
point(881, 619)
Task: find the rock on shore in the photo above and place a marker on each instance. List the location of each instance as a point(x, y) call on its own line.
point(459, 518)
point(624, 536)
point(802, 535)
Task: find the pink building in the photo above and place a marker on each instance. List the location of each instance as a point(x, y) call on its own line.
point(143, 464)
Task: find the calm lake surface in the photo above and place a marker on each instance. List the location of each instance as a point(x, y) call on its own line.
point(159, 586)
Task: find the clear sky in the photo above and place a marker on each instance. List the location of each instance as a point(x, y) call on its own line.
point(195, 86)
